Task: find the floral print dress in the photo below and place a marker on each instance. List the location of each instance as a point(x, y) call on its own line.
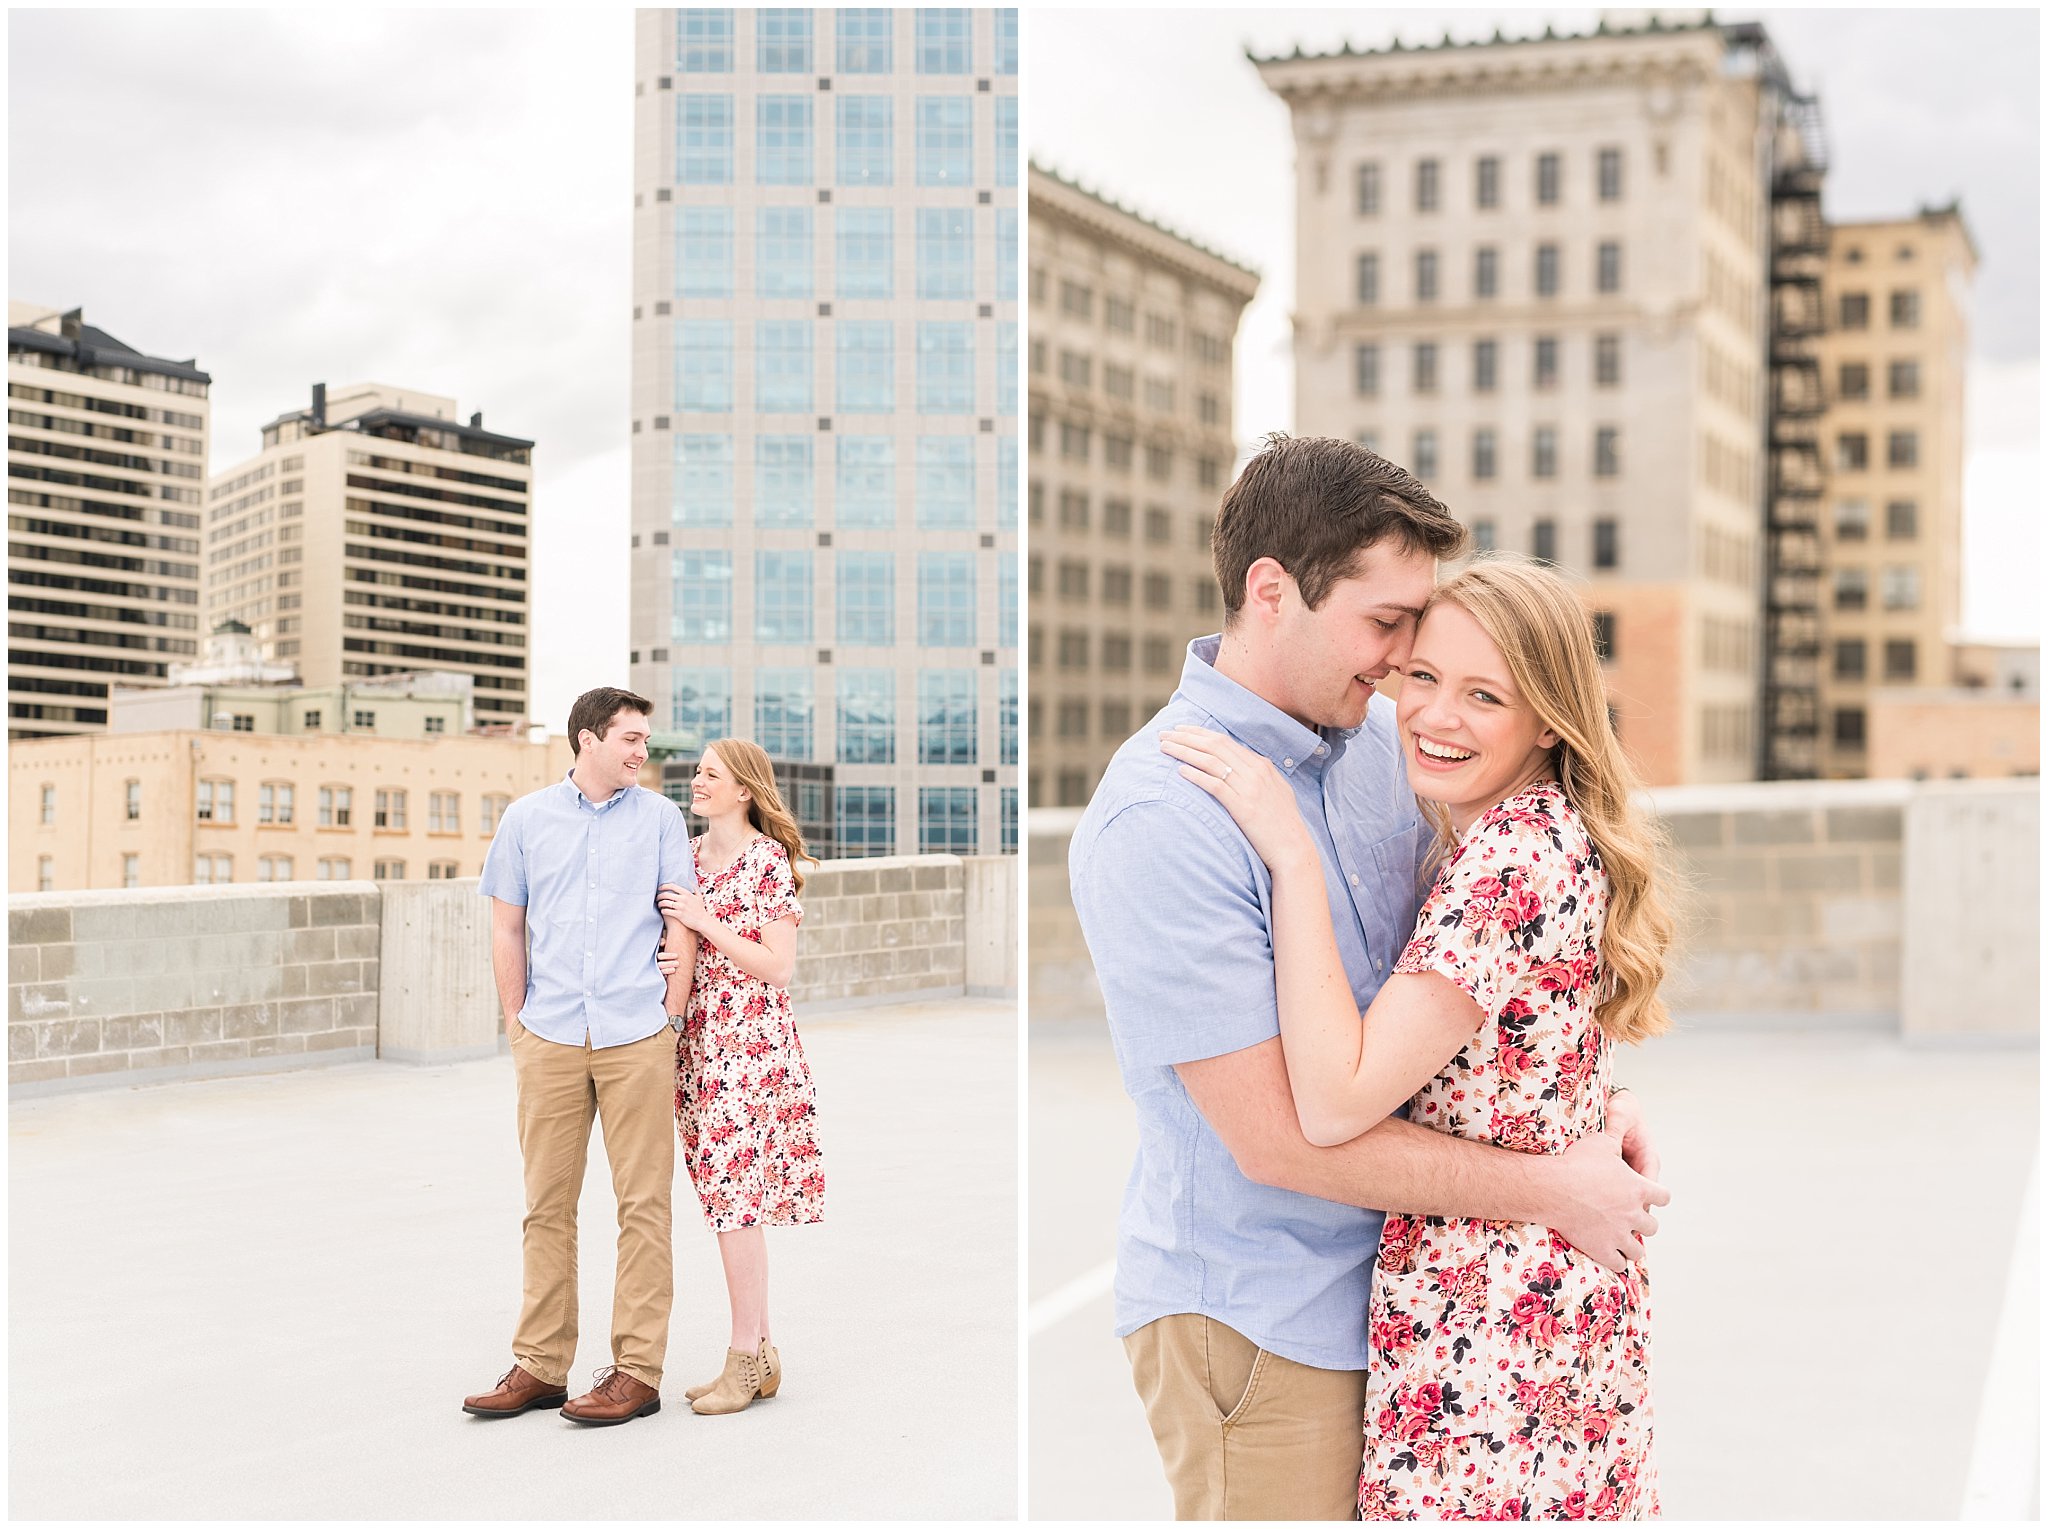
point(1509, 1375)
point(745, 1107)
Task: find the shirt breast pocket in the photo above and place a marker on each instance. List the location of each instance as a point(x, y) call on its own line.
point(1398, 895)
point(630, 866)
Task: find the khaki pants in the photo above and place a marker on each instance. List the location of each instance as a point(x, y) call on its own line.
point(561, 1088)
point(1242, 1432)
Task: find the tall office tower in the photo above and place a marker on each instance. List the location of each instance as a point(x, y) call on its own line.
point(106, 452)
point(1130, 449)
point(824, 529)
point(1533, 272)
point(375, 533)
point(1894, 354)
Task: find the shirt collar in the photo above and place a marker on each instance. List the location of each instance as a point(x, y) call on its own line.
point(1255, 721)
point(584, 803)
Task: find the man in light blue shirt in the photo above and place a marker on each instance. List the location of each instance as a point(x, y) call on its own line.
point(573, 872)
point(1244, 1255)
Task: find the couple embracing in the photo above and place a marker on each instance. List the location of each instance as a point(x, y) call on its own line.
point(644, 978)
point(1380, 1254)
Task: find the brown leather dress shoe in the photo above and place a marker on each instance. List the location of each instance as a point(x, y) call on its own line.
point(615, 1398)
point(517, 1391)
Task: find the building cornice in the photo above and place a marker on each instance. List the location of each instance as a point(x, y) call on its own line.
point(1150, 241)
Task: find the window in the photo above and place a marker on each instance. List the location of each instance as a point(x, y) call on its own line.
point(1484, 536)
point(945, 252)
point(1483, 449)
point(1852, 520)
point(1901, 589)
point(1854, 310)
point(1608, 267)
point(1073, 788)
point(701, 705)
point(1425, 276)
point(945, 820)
point(865, 246)
point(335, 868)
point(1549, 179)
point(866, 39)
point(945, 482)
point(389, 870)
point(1606, 543)
point(1546, 270)
point(704, 157)
point(1424, 360)
point(212, 870)
point(131, 871)
point(444, 812)
point(1607, 360)
point(865, 487)
point(1006, 367)
point(945, 368)
point(133, 793)
point(782, 141)
point(1006, 40)
point(1852, 451)
point(945, 599)
point(1009, 810)
point(46, 873)
point(274, 802)
point(274, 868)
point(1902, 448)
point(703, 481)
point(864, 818)
point(866, 366)
point(704, 365)
point(1603, 636)
point(1901, 520)
point(1006, 140)
point(1006, 602)
point(1906, 309)
point(784, 492)
point(867, 599)
point(390, 813)
point(1900, 659)
point(1543, 541)
point(782, 41)
point(436, 725)
point(866, 141)
point(944, 41)
point(442, 870)
point(1610, 175)
point(1426, 176)
point(1425, 454)
point(782, 366)
point(1852, 381)
point(704, 38)
point(1486, 181)
point(492, 809)
point(1850, 663)
point(1849, 727)
point(1852, 588)
point(782, 596)
point(703, 596)
point(1543, 452)
point(310, 722)
point(1486, 271)
point(216, 802)
point(1485, 363)
point(1544, 356)
point(1606, 452)
point(945, 717)
point(335, 805)
point(782, 252)
point(867, 716)
point(1368, 273)
point(1902, 379)
point(363, 719)
point(1367, 186)
point(782, 712)
point(48, 804)
point(1073, 509)
point(945, 141)
point(1006, 254)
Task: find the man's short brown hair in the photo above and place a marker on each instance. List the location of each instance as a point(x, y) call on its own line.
point(597, 709)
point(1315, 503)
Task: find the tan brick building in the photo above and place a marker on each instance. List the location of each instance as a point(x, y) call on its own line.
point(1130, 447)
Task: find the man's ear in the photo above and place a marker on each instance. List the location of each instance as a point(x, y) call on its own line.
point(1266, 585)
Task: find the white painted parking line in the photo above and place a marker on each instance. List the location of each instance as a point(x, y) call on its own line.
point(2005, 1461)
point(1052, 1309)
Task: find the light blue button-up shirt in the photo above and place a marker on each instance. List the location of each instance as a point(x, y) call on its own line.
point(1177, 908)
point(586, 873)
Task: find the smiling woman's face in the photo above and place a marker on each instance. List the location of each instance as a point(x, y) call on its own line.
point(1468, 737)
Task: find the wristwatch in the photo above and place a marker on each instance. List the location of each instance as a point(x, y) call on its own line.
point(675, 1023)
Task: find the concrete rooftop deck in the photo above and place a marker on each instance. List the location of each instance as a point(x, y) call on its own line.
point(265, 1297)
point(1843, 1329)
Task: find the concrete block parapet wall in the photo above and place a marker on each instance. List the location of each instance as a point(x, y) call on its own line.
point(1907, 906)
point(127, 986)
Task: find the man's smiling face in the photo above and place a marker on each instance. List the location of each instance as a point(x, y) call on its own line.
point(1361, 632)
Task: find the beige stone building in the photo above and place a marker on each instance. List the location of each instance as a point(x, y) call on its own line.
point(824, 536)
point(375, 534)
point(183, 808)
point(106, 462)
point(1130, 448)
point(1893, 360)
point(1533, 272)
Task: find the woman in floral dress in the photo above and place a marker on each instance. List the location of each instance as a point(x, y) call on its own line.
point(745, 1107)
point(1509, 1373)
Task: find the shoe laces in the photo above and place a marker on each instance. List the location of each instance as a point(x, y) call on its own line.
point(605, 1382)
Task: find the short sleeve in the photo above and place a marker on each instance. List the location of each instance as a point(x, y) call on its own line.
point(775, 887)
point(678, 865)
point(1485, 925)
point(504, 875)
point(1178, 930)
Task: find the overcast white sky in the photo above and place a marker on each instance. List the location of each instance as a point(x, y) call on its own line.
point(1920, 106)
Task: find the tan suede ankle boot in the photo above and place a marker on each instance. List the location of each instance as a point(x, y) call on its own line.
point(770, 1359)
point(736, 1388)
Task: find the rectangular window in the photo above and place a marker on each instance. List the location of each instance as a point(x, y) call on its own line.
point(1006, 140)
point(207, 870)
point(946, 717)
point(945, 820)
point(494, 806)
point(866, 363)
point(1543, 452)
point(1610, 175)
point(1368, 279)
point(945, 141)
point(1850, 661)
point(866, 41)
point(1901, 589)
point(1902, 448)
point(1425, 454)
point(1006, 482)
point(865, 247)
point(1006, 720)
point(1852, 381)
point(1607, 360)
point(945, 252)
point(1485, 365)
point(701, 705)
point(1609, 266)
point(1606, 543)
point(1854, 310)
point(1901, 659)
point(782, 366)
point(704, 156)
point(1423, 375)
point(864, 489)
point(1546, 270)
point(867, 716)
point(1006, 254)
point(703, 596)
point(1852, 451)
point(1486, 271)
point(1906, 309)
point(782, 252)
point(441, 870)
point(782, 141)
point(703, 481)
point(1603, 636)
point(1486, 181)
point(704, 365)
point(1483, 536)
point(216, 802)
point(1901, 520)
point(782, 596)
point(1425, 276)
point(1852, 588)
point(944, 41)
point(390, 811)
point(1902, 379)
point(1544, 357)
point(867, 599)
point(335, 868)
point(134, 801)
point(945, 599)
point(782, 41)
point(1849, 727)
point(1543, 541)
point(274, 802)
point(1006, 40)
point(945, 368)
point(1852, 520)
point(1367, 187)
point(866, 142)
point(783, 709)
point(1549, 179)
point(1483, 449)
point(864, 820)
point(945, 483)
point(1006, 602)
point(1426, 178)
point(131, 871)
point(704, 40)
point(1606, 452)
point(704, 252)
point(48, 803)
point(785, 486)
point(336, 805)
point(444, 812)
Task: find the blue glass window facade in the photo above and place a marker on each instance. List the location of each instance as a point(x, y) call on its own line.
point(1006, 367)
point(1006, 40)
point(782, 251)
point(704, 252)
point(782, 366)
point(701, 705)
point(1006, 714)
point(782, 41)
point(704, 134)
point(945, 140)
point(783, 708)
point(945, 252)
point(864, 491)
point(945, 599)
point(867, 41)
point(945, 483)
point(945, 820)
point(866, 366)
point(785, 491)
point(864, 819)
point(1006, 140)
point(703, 481)
point(1006, 254)
point(704, 365)
point(945, 716)
point(703, 596)
point(782, 596)
point(1006, 602)
point(945, 368)
point(704, 40)
point(945, 40)
point(867, 599)
point(782, 140)
point(865, 249)
point(866, 142)
point(867, 716)
point(1009, 811)
point(1006, 482)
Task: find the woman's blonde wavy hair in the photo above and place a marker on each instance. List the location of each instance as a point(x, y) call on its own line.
point(748, 765)
point(1538, 623)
